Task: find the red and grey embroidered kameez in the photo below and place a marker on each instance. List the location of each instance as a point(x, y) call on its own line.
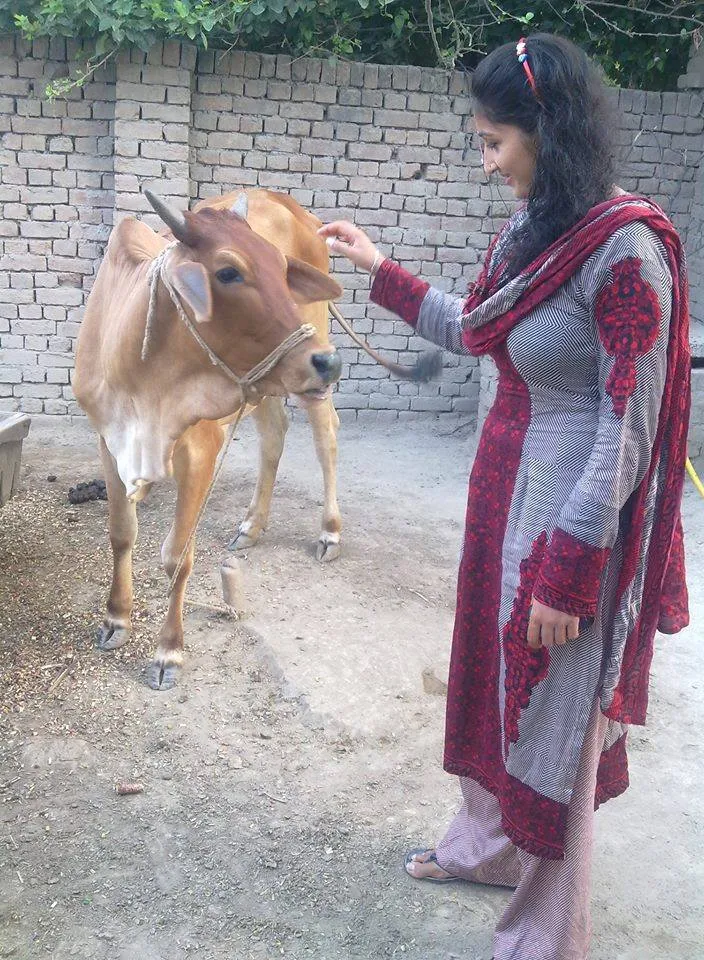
point(573, 499)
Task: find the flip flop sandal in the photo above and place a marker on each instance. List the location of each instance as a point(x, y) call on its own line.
point(410, 858)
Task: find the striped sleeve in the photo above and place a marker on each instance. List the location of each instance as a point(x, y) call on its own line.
point(436, 316)
point(629, 288)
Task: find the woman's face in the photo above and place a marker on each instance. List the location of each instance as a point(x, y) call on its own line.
point(508, 151)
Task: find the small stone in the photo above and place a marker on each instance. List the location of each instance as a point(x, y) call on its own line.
point(432, 685)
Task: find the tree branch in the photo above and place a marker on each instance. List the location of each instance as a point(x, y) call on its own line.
point(433, 37)
point(588, 4)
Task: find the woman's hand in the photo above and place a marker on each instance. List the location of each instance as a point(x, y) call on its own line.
point(349, 241)
point(548, 627)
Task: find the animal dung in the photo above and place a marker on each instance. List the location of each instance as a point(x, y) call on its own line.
point(126, 789)
point(92, 490)
point(231, 574)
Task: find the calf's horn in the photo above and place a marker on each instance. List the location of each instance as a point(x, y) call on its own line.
point(174, 219)
point(240, 207)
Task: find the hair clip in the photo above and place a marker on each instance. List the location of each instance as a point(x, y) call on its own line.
point(522, 54)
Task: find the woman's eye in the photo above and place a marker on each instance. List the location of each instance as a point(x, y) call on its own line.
point(229, 275)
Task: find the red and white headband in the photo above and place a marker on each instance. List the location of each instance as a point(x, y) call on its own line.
point(522, 54)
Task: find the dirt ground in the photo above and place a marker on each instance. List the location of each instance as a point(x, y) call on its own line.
point(299, 754)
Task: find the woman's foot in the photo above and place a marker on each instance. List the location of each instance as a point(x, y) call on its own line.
point(422, 864)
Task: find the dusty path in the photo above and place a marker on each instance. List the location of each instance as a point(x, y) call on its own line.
point(299, 754)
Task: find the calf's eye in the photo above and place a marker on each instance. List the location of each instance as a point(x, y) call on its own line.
point(229, 275)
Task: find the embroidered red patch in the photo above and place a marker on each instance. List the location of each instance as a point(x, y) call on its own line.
point(398, 291)
point(570, 576)
point(628, 317)
point(525, 667)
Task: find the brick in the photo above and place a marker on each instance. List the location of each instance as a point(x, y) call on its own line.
point(323, 93)
point(167, 113)
point(323, 147)
point(41, 161)
point(282, 181)
point(350, 114)
point(267, 65)
point(369, 151)
point(17, 358)
point(301, 111)
point(267, 142)
point(61, 296)
point(40, 177)
point(139, 166)
point(673, 124)
point(164, 151)
point(278, 90)
point(300, 163)
point(395, 118)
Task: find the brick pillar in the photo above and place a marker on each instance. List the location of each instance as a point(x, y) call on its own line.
point(152, 123)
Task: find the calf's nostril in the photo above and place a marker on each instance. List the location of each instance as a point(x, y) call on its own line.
point(327, 365)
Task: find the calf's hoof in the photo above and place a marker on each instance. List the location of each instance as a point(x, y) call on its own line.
point(328, 547)
point(163, 671)
point(244, 538)
point(162, 676)
point(111, 636)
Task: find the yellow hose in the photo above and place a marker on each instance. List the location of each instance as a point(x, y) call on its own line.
point(693, 476)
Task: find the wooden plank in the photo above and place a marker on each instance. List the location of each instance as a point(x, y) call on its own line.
point(15, 426)
point(13, 429)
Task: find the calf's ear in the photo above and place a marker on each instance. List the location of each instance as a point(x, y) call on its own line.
point(191, 282)
point(308, 284)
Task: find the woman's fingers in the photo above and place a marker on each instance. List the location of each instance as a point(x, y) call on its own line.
point(547, 634)
point(339, 230)
point(534, 631)
point(344, 238)
point(548, 628)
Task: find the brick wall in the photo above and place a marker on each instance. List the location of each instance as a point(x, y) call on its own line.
point(381, 145)
point(56, 199)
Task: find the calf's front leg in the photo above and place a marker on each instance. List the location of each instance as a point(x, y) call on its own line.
point(194, 460)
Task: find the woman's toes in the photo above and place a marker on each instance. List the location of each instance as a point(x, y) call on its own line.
point(420, 869)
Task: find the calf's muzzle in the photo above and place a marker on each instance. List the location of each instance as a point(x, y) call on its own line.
point(328, 366)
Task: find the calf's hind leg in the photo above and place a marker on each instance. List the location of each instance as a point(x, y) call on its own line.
point(122, 514)
point(194, 459)
point(272, 423)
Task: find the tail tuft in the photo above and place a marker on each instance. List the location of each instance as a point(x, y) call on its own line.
point(427, 367)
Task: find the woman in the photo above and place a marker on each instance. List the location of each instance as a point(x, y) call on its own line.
point(573, 552)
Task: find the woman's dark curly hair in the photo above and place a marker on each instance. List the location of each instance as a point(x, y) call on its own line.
point(570, 123)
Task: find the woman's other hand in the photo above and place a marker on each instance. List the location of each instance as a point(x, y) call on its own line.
point(344, 238)
point(548, 627)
